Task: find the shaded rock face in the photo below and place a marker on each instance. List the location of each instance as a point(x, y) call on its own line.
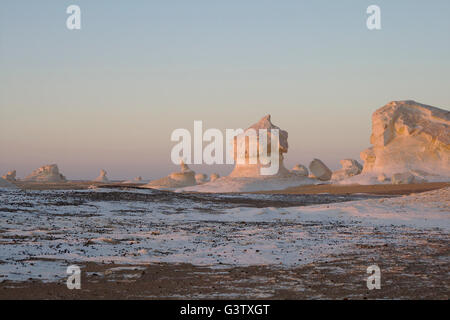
point(406, 136)
point(10, 176)
point(213, 177)
point(349, 169)
point(48, 173)
point(319, 170)
point(6, 184)
point(184, 178)
point(300, 170)
point(246, 169)
point(102, 177)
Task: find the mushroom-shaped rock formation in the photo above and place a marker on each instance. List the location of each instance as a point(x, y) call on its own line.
point(349, 169)
point(48, 173)
point(201, 178)
point(6, 184)
point(248, 176)
point(10, 176)
point(102, 177)
point(319, 170)
point(408, 136)
point(300, 170)
point(248, 162)
point(184, 178)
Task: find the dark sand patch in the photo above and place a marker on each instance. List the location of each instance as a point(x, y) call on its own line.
point(385, 189)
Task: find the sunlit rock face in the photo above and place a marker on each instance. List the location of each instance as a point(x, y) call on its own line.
point(350, 168)
point(184, 178)
point(408, 136)
point(48, 173)
point(6, 184)
point(102, 177)
point(10, 176)
point(251, 164)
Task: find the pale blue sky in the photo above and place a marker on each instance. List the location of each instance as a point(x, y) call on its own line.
point(109, 96)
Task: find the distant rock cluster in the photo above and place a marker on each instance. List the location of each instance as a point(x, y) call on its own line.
point(10, 176)
point(48, 173)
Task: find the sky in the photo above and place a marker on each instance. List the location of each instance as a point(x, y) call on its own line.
point(110, 95)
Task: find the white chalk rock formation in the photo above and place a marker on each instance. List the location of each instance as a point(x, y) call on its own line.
point(201, 178)
point(247, 175)
point(10, 176)
point(408, 136)
point(102, 177)
point(248, 163)
point(319, 170)
point(48, 173)
point(349, 169)
point(300, 170)
point(7, 184)
point(213, 177)
point(184, 178)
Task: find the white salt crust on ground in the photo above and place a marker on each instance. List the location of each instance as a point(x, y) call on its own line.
point(34, 230)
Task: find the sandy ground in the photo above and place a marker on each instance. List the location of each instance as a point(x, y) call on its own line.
point(69, 185)
point(414, 263)
point(387, 189)
point(410, 272)
point(381, 189)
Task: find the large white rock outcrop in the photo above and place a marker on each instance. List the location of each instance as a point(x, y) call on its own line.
point(184, 178)
point(10, 176)
point(6, 184)
point(319, 170)
point(102, 177)
point(408, 136)
point(247, 169)
point(48, 173)
point(350, 168)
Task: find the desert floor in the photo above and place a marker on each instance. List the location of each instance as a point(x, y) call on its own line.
point(132, 230)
